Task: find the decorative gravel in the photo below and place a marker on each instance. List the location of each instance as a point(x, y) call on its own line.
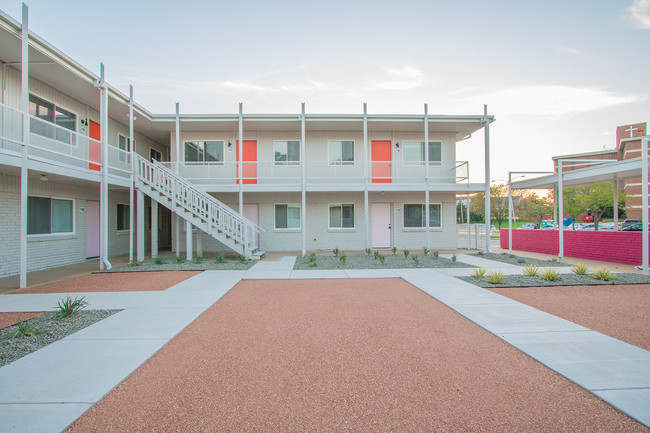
point(565, 280)
point(516, 260)
point(207, 264)
point(49, 330)
point(397, 261)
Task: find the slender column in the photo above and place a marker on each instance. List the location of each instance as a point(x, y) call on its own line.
point(24, 106)
point(177, 166)
point(555, 204)
point(426, 175)
point(140, 228)
point(644, 202)
point(303, 159)
point(240, 152)
point(488, 210)
point(365, 174)
point(131, 191)
point(615, 207)
point(559, 196)
point(104, 184)
point(199, 242)
point(469, 225)
point(510, 213)
point(188, 240)
point(154, 229)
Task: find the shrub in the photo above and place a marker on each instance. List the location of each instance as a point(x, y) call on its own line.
point(313, 264)
point(159, 261)
point(425, 251)
point(68, 306)
point(367, 251)
point(242, 259)
point(531, 271)
point(394, 250)
point(342, 259)
point(312, 257)
point(520, 260)
point(602, 274)
point(221, 258)
point(436, 254)
point(580, 269)
point(550, 275)
point(406, 253)
point(179, 259)
point(134, 262)
point(495, 278)
point(480, 253)
point(382, 259)
point(478, 273)
point(198, 259)
point(453, 258)
point(377, 255)
point(23, 330)
point(336, 252)
point(416, 259)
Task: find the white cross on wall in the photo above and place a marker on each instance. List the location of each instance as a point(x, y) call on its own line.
point(631, 130)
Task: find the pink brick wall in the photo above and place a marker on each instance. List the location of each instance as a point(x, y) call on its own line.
point(606, 246)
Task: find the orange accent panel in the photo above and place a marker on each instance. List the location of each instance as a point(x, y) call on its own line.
point(94, 149)
point(381, 162)
point(249, 172)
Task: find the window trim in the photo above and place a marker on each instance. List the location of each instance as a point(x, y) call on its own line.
point(128, 220)
point(421, 162)
point(293, 229)
point(281, 163)
point(342, 229)
point(122, 152)
point(74, 132)
point(157, 151)
point(187, 163)
point(422, 228)
point(74, 219)
point(342, 163)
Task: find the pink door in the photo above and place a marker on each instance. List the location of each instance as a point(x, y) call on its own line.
point(380, 225)
point(92, 229)
point(381, 162)
point(251, 213)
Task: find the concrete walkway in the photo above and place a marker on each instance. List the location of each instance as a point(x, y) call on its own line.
point(49, 389)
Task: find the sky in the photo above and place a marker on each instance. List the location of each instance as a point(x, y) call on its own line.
point(559, 76)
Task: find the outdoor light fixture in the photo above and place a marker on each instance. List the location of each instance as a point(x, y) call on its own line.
point(397, 144)
point(43, 177)
point(84, 122)
point(229, 144)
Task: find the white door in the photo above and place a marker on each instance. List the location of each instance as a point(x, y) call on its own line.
point(92, 229)
point(380, 225)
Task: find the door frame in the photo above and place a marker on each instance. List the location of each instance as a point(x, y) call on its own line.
point(88, 224)
point(373, 206)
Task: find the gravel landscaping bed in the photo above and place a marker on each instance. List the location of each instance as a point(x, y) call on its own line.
point(49, 330)
point(513, 259)
point(565, 280)
point(397, 261)
point(169, 264)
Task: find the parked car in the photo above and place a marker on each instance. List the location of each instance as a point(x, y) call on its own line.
point(634, 228)
point(529, 226)
point(548, 224)
point(607, 227)
point(587, 227)
point(629, 222)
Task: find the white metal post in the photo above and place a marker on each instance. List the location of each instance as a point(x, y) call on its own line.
point(199, 241)
point(303, 193)
point(366, 170)
point(24, 102)
point(488, 210)
point(104, 183)
point(615, 200)
point(644, 202)
point(426, 175)
point(154, 229)
point(177, 170)
point(140, 228)
point(469, 225)
point(560, 209)
point(240, 152)
point(131, 191)
point(188, 240)
point(510, 212)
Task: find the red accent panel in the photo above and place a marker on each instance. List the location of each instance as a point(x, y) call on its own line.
point(381, 165)
point(606, 246)
point(249, 172)
point(94, 148)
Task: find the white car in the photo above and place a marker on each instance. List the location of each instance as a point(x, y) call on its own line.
point(607, 226)
point(588, 227)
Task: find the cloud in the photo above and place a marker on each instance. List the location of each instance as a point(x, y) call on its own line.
point(405, 78)
point(639, 13)
point(551, 101)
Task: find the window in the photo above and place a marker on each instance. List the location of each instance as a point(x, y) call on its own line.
point(414, 152)
point(341, 152)
point(49, 215)
point(124, 144)
point(49, 114)
point(204, 151)
point(287, 216)
point(286, 152)
point(414, 215)
point(154, 155)
point(123, 217)
point(341, 216)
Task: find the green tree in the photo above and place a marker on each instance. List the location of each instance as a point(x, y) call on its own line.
point(573, 205)
point(498, 204)
point(535, 208)
point(597, 198)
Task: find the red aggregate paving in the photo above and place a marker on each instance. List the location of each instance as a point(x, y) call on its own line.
point(114, 282)
point(343, 355)
point(8, 319)
point(622, 312)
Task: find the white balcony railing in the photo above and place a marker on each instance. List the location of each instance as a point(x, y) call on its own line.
point(320, 172)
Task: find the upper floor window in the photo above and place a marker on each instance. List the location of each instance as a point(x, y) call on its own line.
point(414, 152)
point(49, 215)
point(286, 152)
point(49, 114)
point(154, 155)
point(415, 216)
point(341, 152)
point(124, 144)
point(204, 151)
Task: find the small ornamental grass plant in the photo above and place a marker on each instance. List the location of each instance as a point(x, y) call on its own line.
point(221, 258)
point(478, 273)
point(602, 274)
point(550, 275)
point(68, 307)
point(179, 259)
point(382, 259)
point(336, 252)
point(198, 259)
point(312, 260)
point(416, 259)
point(377, 255)
point(406, 253)
point(394, 250)
point(23, 330)
point(343, 259)
point(242, 259)
point(436, 254)
point(453, 258)
point(495, 278)
point(159, 261)
point(368, 251)
point(580, 269)
point(531, 271)
point(425, 251)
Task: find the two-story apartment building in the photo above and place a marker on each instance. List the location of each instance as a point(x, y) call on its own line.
point(74, 187)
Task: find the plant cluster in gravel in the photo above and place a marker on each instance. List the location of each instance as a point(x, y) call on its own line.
point(513, 259)
point(170, 264)
point(565, 280)
point(48, 330)
point(369, 262)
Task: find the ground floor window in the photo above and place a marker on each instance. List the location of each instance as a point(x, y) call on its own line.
point(415, 215)
point(341, 216)
point(287, 216)
point(49, 215)
point(123, 217)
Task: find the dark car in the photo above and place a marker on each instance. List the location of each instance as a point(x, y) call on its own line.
point(630, 222)
point(633, 228)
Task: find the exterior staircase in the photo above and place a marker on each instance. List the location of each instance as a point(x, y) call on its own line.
point(198, 207)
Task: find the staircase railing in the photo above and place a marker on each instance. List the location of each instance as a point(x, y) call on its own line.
point(203, 206)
